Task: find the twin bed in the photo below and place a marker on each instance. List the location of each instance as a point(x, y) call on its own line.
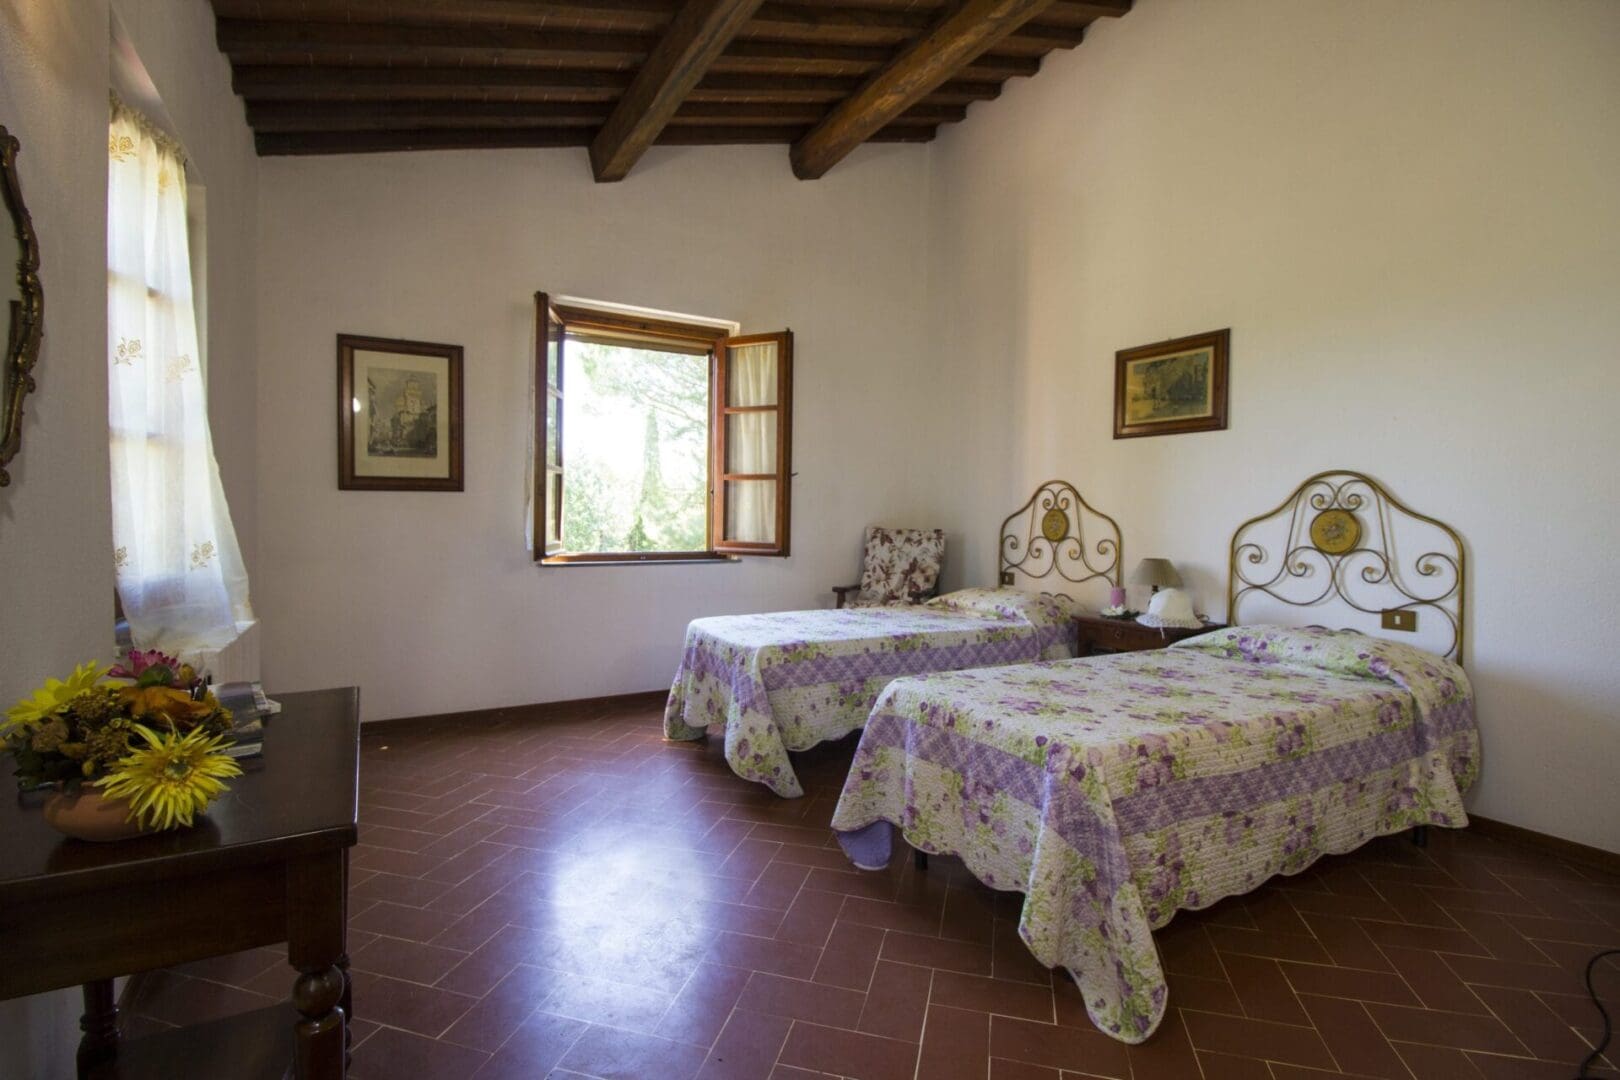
point(1114, 791)
point(790, 680)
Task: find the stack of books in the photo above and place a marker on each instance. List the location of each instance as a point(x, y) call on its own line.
point(249, 710)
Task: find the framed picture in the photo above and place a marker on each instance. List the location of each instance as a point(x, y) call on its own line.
point(1171, 387)
point(399, 415)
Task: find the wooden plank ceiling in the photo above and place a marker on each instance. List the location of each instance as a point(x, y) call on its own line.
point(617, 76)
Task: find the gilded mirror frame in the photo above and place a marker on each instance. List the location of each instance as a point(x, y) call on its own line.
point(27, 316)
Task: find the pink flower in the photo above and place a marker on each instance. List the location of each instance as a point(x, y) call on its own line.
point(140, 661)
point(150, 668)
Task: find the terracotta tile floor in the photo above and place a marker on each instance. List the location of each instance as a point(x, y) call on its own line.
point(576, 898)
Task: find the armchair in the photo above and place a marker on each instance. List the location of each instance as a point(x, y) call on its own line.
point(901, 566)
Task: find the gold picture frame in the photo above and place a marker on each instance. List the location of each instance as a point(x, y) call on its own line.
point(1172, 387)
point(24, 308)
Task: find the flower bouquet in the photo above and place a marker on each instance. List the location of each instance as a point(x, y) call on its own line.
point(136, 748)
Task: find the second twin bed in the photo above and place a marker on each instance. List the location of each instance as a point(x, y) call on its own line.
point(1115, 791)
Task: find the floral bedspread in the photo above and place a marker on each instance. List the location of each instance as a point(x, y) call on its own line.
point(1114, 791)
point(789, 680)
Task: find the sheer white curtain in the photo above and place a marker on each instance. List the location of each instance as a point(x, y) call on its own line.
point(180, 573)
point(751, 443)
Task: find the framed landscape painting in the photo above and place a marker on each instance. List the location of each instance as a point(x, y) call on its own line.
point(1171, 387)
point(399, 415)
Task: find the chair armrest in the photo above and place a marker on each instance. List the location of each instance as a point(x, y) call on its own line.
point(841, 591)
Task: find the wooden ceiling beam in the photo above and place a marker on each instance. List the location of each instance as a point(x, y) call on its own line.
point(571, 28)
point(1066, 12)
point(317, 43)
point(580, 14)
point(288, 117)
point(338, 84)
point(374, 142)
point(277, 83)
point(728, 88)
point(574, 14)
point(252, 43)
point(775, 57)
point(926, 64)
point(781, 21)
point(1076, 13)
point(699, 33)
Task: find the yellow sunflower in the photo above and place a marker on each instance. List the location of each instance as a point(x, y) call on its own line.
point(50, 698)
point(172, 778)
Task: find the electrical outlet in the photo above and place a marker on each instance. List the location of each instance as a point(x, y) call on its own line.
point(1007, 577)
point(1400, 619)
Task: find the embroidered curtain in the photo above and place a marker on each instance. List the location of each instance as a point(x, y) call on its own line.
point(180, 572)
point(751, 443)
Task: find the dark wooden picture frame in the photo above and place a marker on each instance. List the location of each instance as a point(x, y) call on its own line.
point(1209, 413)
point(356, 472)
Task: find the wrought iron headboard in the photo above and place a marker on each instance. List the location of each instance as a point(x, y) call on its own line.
point(1052, 534)
point(1346, 527)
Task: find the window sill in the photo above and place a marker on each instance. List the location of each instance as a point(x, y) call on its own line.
point(636, 560)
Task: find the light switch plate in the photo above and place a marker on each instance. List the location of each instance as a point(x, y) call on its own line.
point(1400, 619)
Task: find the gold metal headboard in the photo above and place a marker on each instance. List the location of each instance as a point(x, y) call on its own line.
point(1343, 540)
point(1049, 534)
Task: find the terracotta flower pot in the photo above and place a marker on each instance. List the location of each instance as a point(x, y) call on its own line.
point(88, 816)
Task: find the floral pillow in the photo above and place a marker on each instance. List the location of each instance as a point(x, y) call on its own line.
point(902, 565)
point(1037, 609)
point(1340, 652)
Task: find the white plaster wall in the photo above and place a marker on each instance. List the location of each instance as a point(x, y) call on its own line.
point(55, 517)
point(430, 601)
point(1407, 214)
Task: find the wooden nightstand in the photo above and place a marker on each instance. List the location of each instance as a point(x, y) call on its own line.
point(1100, 635)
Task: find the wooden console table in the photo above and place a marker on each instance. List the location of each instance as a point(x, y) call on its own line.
point(268, 863)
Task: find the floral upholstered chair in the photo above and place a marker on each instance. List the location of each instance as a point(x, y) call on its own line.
point(901, 567)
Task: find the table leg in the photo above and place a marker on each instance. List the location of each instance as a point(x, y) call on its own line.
point(315, 945)
point(100, 1026)
point(346, 1003)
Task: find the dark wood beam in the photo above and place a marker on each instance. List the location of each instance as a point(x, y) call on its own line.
point(253, 42)
point(699, 32)
point(257, 42)
point(293, 117)
point(770, 57)
point(374, 142)
point(578, 14)
point(928, 63)
point(335, 84)
point(545, 25)
point(781, 21)
point(589, 15)
point(276, 83)
point(574, 14)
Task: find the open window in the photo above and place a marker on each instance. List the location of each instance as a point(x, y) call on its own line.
point(658, 439)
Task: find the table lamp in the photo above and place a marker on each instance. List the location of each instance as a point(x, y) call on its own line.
point(1158, 573)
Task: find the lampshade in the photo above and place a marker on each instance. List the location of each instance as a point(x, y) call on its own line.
point(1156, 572)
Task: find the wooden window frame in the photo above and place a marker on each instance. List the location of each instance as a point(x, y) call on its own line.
point(784, 444)
point(572, 321)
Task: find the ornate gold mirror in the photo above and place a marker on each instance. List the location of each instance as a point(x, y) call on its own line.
point(24, 306)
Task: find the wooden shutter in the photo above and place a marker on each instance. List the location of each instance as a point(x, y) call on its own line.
point(548, 445)
point(753, 440)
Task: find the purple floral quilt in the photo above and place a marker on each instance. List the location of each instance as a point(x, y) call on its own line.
point(1114, 791)
point(792, 679)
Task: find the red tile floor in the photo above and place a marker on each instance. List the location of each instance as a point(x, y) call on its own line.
point(575, 898)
